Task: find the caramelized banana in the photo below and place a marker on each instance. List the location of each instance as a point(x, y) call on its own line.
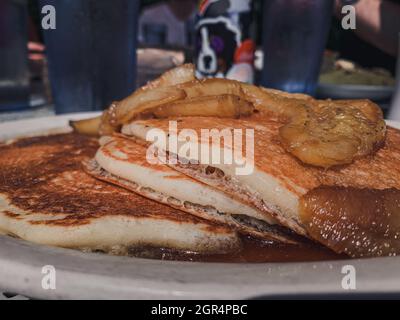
point(157, 92)
point(178, 75)
point(323, 133)
point(358, 222)
point(87, 126)
point(327, 133)
point(222, 106)
point(317, 132)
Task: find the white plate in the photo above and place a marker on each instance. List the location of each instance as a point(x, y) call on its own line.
point(344, 91)
point(81, 276)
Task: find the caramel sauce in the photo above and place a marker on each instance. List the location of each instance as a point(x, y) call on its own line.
point(358, 222)
point(253, 251)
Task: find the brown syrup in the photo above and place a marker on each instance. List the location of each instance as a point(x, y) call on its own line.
point(253, 251)
point(360, 222)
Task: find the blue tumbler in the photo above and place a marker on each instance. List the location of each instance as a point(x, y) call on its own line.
point(14, 71)
point(294, 38)
point(91, 52)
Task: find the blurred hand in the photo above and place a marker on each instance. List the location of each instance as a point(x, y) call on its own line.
point(35, 51)
point(377, 22)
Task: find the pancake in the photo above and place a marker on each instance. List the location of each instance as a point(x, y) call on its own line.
point(47, 198)
point(123, 162)
point(279, 181)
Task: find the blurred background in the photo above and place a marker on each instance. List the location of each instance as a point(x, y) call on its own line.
point(62, 56)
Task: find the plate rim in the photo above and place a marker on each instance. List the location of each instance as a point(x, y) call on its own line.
point(356, 86)
point(136, 278)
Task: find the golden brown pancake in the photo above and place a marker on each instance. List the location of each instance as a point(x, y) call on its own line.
point(279, 180)
point(46, 197)
point(123, 162)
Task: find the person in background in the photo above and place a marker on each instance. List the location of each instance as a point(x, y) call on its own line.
point(374, 41)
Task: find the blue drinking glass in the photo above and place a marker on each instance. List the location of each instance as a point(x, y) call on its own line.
point(294, 37)
point(14, 71)
point(91, 52)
